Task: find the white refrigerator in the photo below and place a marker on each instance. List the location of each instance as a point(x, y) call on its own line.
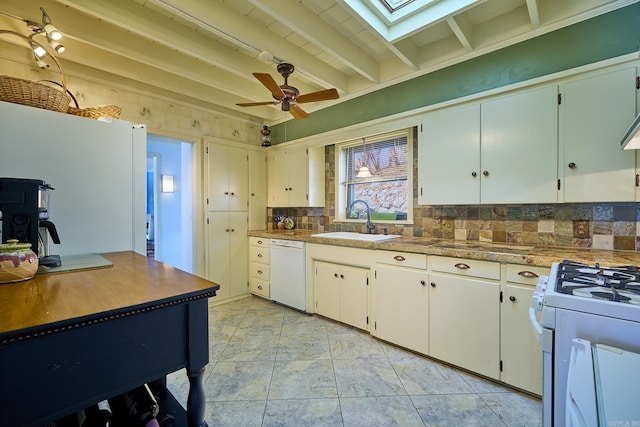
point(97, 170)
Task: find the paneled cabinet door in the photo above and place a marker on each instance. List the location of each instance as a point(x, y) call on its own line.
point(228, 252)
point(449, 157)
point(521, 352)
point(519, 146)
point(341, 293)
point(257, 190)
point(464, 323)
point(400, 298)
point(353, 296)
point(288, 180)
point(327, 290)
point(597, 111)
point(228, 177)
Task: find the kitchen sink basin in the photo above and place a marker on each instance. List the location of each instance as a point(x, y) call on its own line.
point(357, 236)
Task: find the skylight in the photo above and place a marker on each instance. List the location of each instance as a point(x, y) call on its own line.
point(393, 5)
point(397, 19)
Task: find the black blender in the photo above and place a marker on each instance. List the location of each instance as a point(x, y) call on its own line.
point(24, 204)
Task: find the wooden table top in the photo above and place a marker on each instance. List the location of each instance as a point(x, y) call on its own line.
point(133, 281)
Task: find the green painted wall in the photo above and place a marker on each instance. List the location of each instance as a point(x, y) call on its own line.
point(607, 36)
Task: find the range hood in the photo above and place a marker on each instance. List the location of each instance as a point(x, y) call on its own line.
point(631, 139)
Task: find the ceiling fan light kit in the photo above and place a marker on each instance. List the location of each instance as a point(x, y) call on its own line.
point(288, 96)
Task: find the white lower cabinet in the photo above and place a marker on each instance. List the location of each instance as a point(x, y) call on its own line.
point(400, 300)
point(341, 293)
point(259, 266)
point(520, 351)
point(464, 314)
point(228, 252)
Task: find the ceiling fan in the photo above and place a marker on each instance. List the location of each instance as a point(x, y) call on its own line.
point(289, 96)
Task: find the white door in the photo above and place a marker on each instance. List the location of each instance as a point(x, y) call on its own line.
point(519, 148)
point(597, 112)
point(449, 153)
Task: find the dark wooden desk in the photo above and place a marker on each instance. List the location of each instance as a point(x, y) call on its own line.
point(69, 340)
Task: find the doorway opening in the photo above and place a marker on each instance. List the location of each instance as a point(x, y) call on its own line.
point(170, 211)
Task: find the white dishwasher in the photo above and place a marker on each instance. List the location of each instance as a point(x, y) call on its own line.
point(287, 280)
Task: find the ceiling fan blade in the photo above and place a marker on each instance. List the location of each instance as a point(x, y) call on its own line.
point(270, 84)
point(321, 95)
point(298, 112)
point(255, 104)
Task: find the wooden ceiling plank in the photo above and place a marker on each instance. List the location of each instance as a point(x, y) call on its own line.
point(299, 18)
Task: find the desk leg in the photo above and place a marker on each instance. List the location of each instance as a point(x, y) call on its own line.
point(196, 402)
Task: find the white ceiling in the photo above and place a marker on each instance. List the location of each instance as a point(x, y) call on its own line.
point(203, 52)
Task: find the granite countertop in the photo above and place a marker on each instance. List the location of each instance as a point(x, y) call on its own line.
point(542, 256)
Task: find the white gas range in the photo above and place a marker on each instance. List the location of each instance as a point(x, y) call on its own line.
point(590, 335)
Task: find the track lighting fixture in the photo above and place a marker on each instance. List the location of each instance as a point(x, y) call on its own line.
point(50, 32)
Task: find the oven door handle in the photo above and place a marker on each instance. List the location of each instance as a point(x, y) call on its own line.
point(537, 327)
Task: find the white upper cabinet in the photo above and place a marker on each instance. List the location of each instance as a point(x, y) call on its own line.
point(228, 177)
point(519, 146)
point(596, 113)
point(296, 177)
point(499, 151)
point(449, 157)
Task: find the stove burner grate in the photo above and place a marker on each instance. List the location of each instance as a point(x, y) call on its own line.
point(618, 284)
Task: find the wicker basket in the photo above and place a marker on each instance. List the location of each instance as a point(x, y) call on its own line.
point(26, 92)
point(111, 111)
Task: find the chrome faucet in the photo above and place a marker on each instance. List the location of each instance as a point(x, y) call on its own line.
point(370, 225)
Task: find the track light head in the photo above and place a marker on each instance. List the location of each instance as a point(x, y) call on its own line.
point(52, 32)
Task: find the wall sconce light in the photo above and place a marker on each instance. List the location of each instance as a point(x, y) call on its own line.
point(167, 184)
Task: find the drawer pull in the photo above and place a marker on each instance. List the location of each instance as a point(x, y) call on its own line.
point(528, 274)
point(399, 258)
point(259, 271)
point(512, 298)
point(259, 255)
point(433, 284)
point(462, 266)
point(423, 283)
point(259, 242)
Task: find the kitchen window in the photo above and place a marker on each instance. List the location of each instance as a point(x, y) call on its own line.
point(387, 190)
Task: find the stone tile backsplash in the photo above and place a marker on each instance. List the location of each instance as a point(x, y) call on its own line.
point(586, 225)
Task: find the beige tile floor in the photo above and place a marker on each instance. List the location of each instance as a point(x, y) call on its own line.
point(273, 366)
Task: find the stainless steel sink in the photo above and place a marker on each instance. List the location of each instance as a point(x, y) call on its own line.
point(357, 236)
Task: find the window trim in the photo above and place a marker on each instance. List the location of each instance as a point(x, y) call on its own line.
point(340, 190)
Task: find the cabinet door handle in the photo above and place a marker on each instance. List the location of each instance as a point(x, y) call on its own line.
point(290, 189)
point(512, 298)
point(259, 255)
point(572, 165)
point(227, 230)
point(528, 274)
point(399, 258)
point(260, 287)
point(474, 174)
point(226, 193)
point(433, 284)
point(232, 230)
point(423, 283)
point(335, 275)
point(485, 173)
point(233, 194)
point(342, 276)
point(462, 266)
point(259, 271)
point(286, 189)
